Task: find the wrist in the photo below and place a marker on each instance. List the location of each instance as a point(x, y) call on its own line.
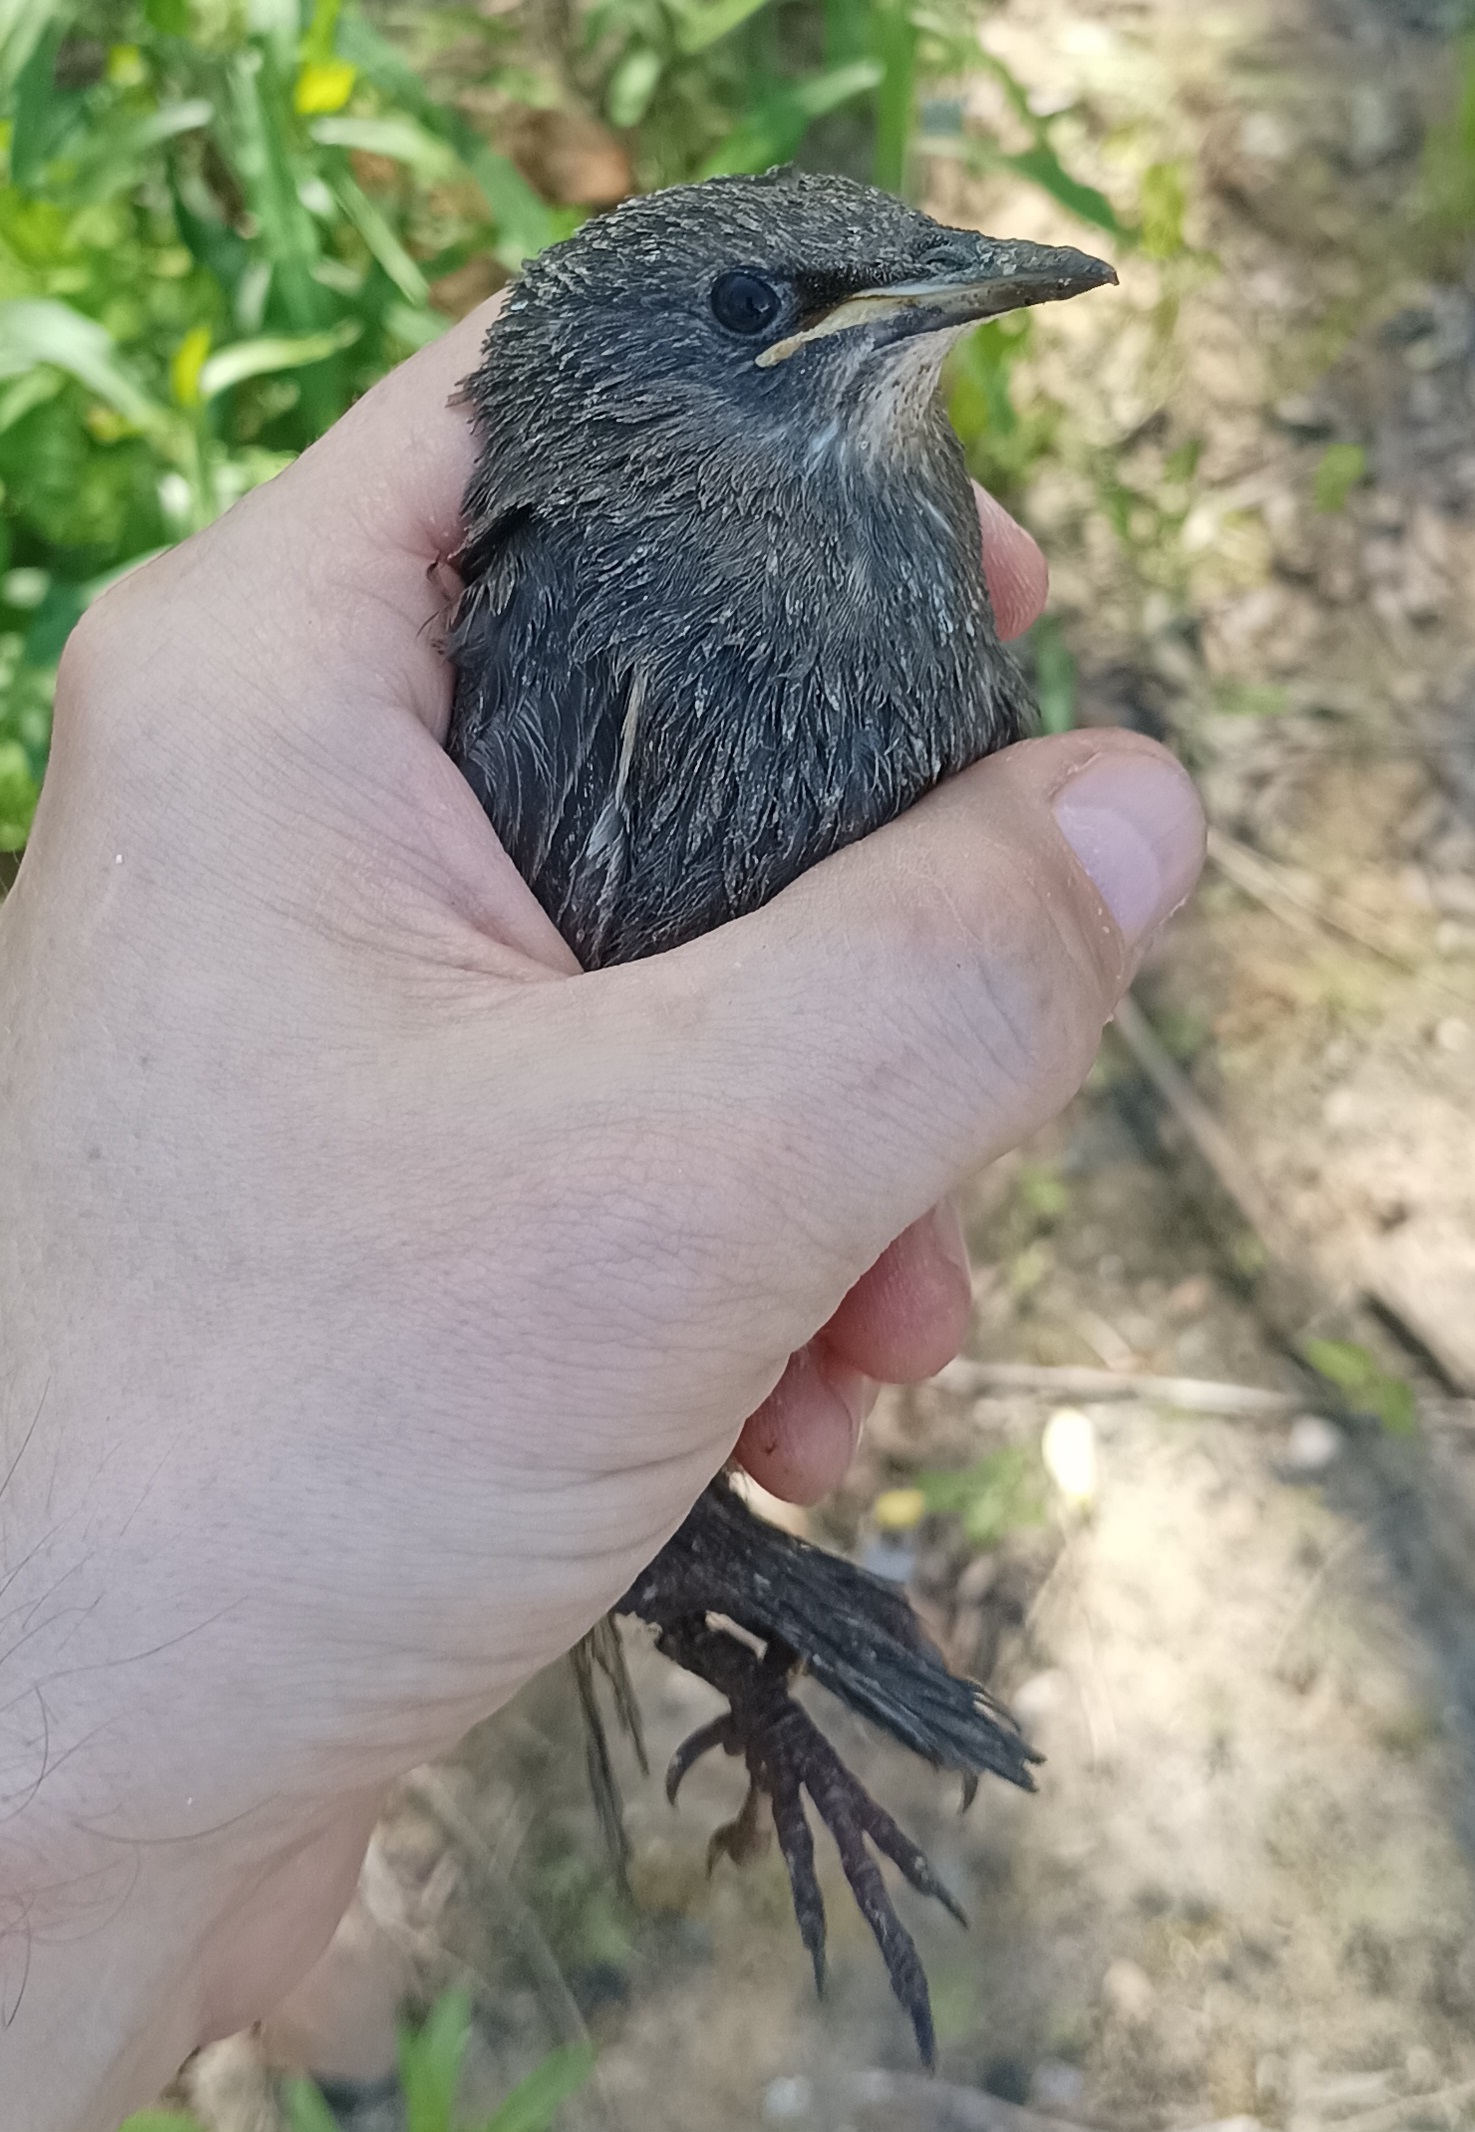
point(98, 1975)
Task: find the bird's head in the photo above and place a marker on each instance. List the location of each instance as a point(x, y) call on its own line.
point(786, 307)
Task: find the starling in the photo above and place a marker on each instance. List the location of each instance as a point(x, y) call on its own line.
point(723, 612)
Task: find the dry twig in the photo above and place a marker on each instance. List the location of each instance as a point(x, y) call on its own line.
point(1195, 1395)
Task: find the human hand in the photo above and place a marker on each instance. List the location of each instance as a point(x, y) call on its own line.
point(378, 1293)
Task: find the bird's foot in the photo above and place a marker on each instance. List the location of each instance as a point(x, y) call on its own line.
point(744, 1606)
point(787, 1756)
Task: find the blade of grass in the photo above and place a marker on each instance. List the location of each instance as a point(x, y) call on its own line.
point(401, 139)
point(525, 222)
point(258, 358)
point(306, 2111)
point(380, 238)
point(894, 46)
point(773, 131)
point(23, 25)
point(700, 23)
point(42, 329)
point(430, 2063)
point(44, 115)
point(536, 2101)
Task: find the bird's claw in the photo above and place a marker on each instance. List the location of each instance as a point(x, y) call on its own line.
point(744, 1607)
point(787, 1756)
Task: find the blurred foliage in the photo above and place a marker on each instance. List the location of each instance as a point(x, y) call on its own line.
point(1364, 1383)
point(222, 219)
point(1449, 156)
point(1040, 1188)
point(431, 2057)
point(1339, 471)
point(1054, 675)
point(1000, 1493)
point(430, 2062)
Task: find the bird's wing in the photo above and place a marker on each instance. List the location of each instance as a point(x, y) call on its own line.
point(545, 729)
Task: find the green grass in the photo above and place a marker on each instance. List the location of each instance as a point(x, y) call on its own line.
point(431, 2058)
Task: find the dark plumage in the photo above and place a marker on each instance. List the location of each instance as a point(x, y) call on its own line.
point(724, 612)
point(720, 618)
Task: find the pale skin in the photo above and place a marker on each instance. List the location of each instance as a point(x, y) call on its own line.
point(377, 1292)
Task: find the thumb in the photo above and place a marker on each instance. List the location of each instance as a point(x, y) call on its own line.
point(928, 997)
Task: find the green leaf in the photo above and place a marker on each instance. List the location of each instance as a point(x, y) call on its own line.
point(385, 246)
point(632, 85)
point(1055, 675)
point(1015, 93)
point(221, 250)
point(264, 163)
point(39, 329)
point(160, 2121)
point(401, 139)
point(23, 25)
point(1449, 154)
point(1043, 167)
point(1164, 197)
point(525, 222)
point(1364, 1383)
point(894, 43)
point(536, 2101)
point(115, 151)
point(773, 131)
point(257, 358)
point(317, 43)
point(44, 114)
point(169, 17)
point(1002, 1492)
point(1339, 471)
point(414, 328)
point(306, 2110)
point(28, 391)
point(700, 23)
point(430, 2063)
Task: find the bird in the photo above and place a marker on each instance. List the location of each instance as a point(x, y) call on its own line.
point(722, 612)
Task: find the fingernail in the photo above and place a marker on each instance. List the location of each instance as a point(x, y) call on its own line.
point(856, 1392)
point(944, 1233)
point(1134, 822)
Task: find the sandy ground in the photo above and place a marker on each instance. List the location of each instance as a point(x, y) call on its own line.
point(1242, 1893)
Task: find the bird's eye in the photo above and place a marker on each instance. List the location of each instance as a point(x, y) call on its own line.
point(744, 303)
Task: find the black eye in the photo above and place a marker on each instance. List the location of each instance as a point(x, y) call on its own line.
point(744, 303)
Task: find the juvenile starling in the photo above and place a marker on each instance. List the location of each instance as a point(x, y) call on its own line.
point(724, 612)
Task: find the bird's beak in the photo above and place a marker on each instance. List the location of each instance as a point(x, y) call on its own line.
point(1001, 276)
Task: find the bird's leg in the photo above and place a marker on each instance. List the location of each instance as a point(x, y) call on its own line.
point(787, 1755)
point(744, 1606)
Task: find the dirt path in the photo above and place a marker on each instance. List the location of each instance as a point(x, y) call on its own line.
point(1243, 1891)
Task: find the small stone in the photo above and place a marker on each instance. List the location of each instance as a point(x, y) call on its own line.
point(1127, 1991)
point(1421, 2067)
point(1039, 1697)
point(1191, 1298)
point(1266, 137)
point(787, 2099)
point(1056, 2086)
point(1312, 1444)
